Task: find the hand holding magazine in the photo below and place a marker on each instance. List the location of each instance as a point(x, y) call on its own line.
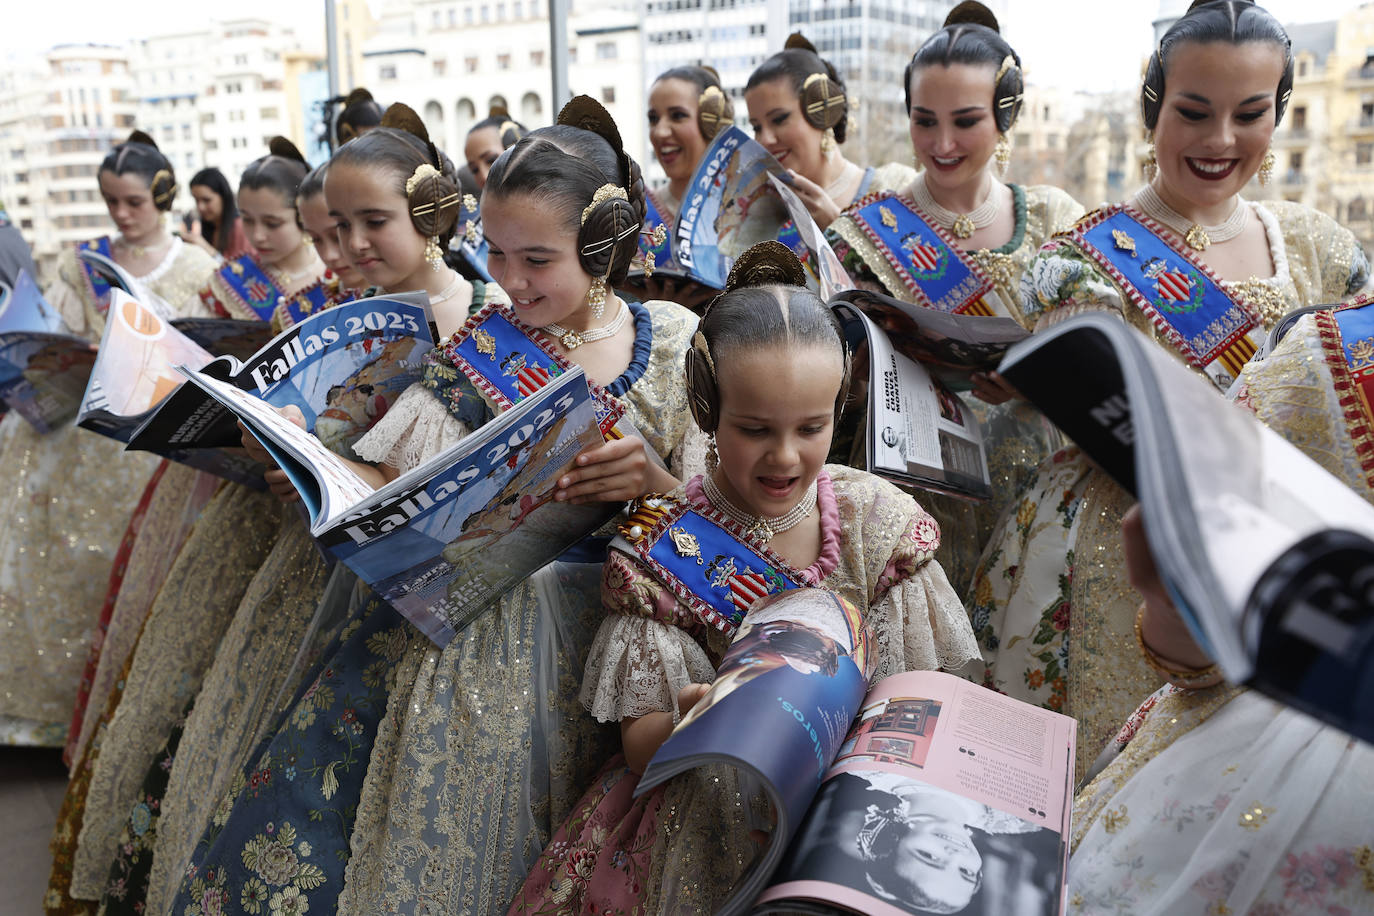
point(859, 778)
point(445, 540)
point(1269, 558)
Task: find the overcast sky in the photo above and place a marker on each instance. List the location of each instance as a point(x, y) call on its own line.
point(1091, 44)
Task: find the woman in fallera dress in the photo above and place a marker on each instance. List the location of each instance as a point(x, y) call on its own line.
point(963, 88)
point(1187, 254)
point(70, 492)
point(799, 112)
point(217, 228)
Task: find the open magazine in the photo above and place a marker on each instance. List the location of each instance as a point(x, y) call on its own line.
point(860, 780)
point(951, 346)
point(43, 367)
point(1268, 556)
point(342, 368)
point(448, 538)
point(810, 244)
point(917, 431)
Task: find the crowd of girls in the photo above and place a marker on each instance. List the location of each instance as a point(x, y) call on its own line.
point(255, 732)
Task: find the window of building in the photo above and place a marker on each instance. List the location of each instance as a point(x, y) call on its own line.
point(240, 60)
point(1299, 117)
point(467, 15)
point(387, 73)
point(440, 67)
point(503, 62)
point(1366, 113)
point(211, 145)
point(500, 12)
point(268, 114)
point(470, 64)
point(486, 13)
point(236, 116)
point(608, 94)
point(1364, 153)
point(519, 9)
point(606, 50)
point(452, 18)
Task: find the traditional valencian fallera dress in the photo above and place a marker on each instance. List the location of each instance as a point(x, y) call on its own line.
point(174, 642)
point(1221, 800)
point(876, 240)
point(680, 848)
point(1050, 603)
point(69, 498)
point(456, 763)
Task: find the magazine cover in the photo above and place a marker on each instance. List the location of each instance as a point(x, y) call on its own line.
point(43, 369)
point(1267, 555)
point(945, 797)
point(342, 368)
point(820, 259)
point(729, 206)
point(445, 540)
point(917, 431)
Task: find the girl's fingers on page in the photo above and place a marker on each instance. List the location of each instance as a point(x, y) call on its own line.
point(281, 486)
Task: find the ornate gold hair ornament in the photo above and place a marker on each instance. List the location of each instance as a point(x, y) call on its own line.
point(604, 193)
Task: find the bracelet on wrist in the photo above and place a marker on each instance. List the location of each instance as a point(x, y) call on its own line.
point(1172, 671)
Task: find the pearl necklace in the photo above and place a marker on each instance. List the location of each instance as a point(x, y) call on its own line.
point(1198, 237)
point(571, 339)
point(448, 291)
point(759, 526)
point(963, 225)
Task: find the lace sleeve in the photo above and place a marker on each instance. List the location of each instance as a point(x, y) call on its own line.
point(689, 458)
point(921, 621)
point(416, 427)
point(637, 665)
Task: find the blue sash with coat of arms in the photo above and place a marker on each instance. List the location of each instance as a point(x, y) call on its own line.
point(500, 355)
point(1177, 292)
point(292, 311)
point(933, 268)
point(96, 285)
point(252, 293)
point(704, 558)
point(1347, 340)
point(653, 218)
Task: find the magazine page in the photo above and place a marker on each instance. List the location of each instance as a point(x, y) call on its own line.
point(121, 279)
point(327, 485)
point(43, 369)
point(946, 797)
point(918, 431)
point(729, 206)
point(135, 369)
point(824, 264)
point(236, 337)
point(23, 308)
point(779, 708)
point(342, 368)
point(951, 346)
point(446, 540)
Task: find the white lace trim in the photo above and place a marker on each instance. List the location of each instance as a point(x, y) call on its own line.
point(936, 631)
point(417, 427)
point(637, 666)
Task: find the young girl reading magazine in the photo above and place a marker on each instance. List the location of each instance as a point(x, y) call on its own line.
point(766, 376)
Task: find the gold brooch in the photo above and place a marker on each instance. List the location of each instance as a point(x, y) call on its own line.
point(685, 543)
point(485, 342)
point(889, 220)
point(1123, 241)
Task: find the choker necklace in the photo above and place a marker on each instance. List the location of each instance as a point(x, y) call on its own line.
point(139, 251)
point(1198, 237)
point(571, 339)
point(963, 225)
point(448, 291)
point(289, 278)
point(759, 526)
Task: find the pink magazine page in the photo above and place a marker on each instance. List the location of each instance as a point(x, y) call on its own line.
point(946, 797)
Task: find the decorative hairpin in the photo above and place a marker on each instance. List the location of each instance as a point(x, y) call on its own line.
point(604, 193)
point(657, 235)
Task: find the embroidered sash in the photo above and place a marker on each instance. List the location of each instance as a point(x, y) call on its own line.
point(1181, 297)
point(653, 218)
point(97, 287)
point(704, 558)
point(935, 271)
point(1347, 337)
point(292, 311)
point(251, 293)
point(506, 362)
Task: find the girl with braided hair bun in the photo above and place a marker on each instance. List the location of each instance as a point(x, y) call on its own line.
point(281, 280)
point(404, 776)
point(766, 376)
point(70, 495)
point(800, 113)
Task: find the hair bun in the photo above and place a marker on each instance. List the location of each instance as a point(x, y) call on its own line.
point(497, 110)
point(585, 112)
point(358, 95)
point(280, 146)
point(139, 136)
point(971, 12)
point(711, 70)
point(768, 263)
point(401, 116)
point(797, 41)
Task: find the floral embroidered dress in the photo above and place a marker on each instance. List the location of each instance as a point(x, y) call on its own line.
point(1052, 577)
point(68, 498)
point(680, 848)
point(1221, 800)
point(1016, 436)
point(470, 753)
